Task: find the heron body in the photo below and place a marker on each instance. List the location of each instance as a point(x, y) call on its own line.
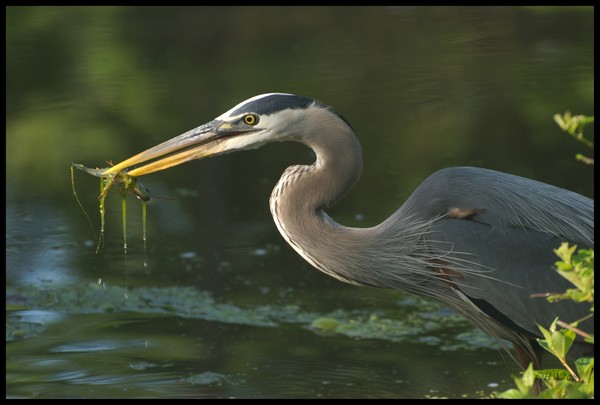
point(477, 240)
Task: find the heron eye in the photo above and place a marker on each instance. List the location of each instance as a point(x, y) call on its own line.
point(250, 119)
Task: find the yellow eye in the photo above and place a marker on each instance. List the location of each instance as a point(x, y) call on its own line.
point(250, 119)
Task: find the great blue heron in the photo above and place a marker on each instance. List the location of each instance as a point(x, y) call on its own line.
point(478, 240)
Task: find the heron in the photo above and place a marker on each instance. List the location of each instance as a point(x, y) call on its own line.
point(477, 240)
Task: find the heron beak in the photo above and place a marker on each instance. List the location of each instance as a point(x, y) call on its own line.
point(203, 141)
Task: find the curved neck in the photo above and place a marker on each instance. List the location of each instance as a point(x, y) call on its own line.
point(298, 200)
point(361, 256)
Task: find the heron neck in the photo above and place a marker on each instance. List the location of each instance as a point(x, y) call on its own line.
point(300, 197)
point(361, 256)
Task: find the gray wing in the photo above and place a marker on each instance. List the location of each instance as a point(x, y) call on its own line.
point(509, 226)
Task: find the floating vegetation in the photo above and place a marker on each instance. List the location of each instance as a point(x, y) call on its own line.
point(125, 184)
point(401, 323)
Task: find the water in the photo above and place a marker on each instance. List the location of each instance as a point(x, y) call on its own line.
point(223, 307)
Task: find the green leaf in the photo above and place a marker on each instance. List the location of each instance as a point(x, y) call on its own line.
point(547, 342)
point(525, 383)
point(512, 393)
point(562, 341)
point(564, 252)
point(585, 369)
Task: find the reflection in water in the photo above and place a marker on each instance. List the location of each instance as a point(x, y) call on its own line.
point(212, 359)
point(38, 245)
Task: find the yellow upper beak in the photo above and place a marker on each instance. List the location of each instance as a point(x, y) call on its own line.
point(203, 141)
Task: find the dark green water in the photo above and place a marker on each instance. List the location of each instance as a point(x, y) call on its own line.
point(219, 305)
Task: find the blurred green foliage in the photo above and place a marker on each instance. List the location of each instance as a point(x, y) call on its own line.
point(574, 125)
point(89, 84)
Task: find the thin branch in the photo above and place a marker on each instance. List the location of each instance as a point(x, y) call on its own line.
point(573, 328)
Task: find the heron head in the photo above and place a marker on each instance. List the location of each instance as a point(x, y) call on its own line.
point(250, 124)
